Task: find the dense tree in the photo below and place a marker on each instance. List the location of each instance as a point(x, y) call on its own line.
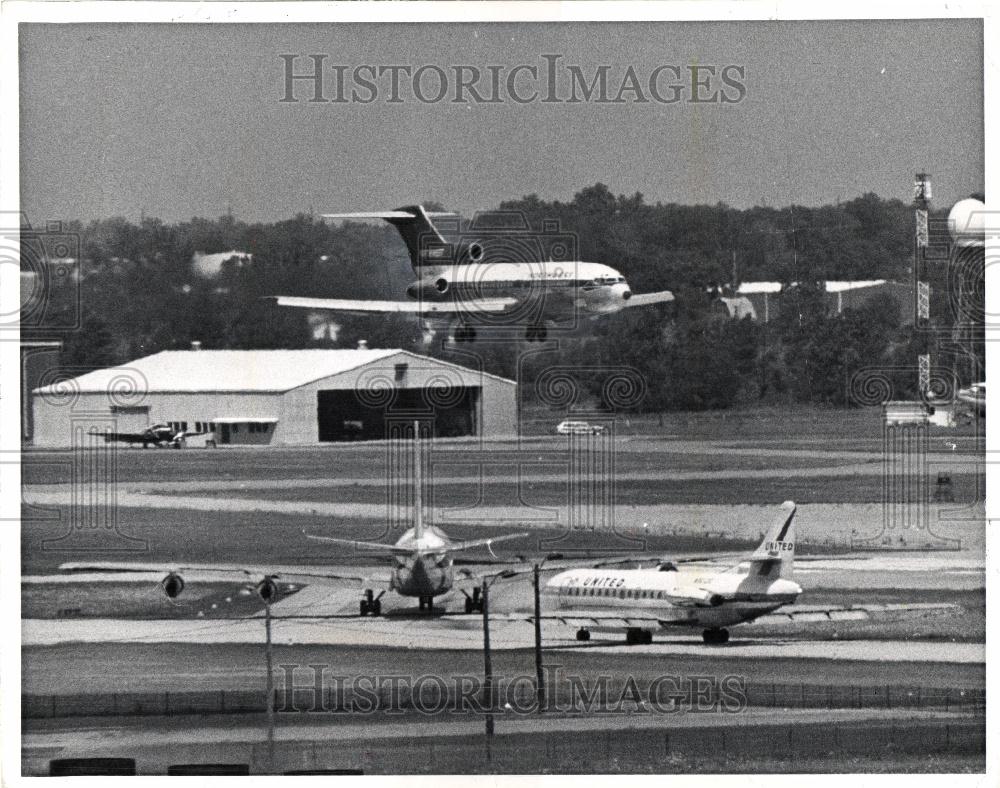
point(142, 293)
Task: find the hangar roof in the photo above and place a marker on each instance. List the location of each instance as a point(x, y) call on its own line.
point(190, 371)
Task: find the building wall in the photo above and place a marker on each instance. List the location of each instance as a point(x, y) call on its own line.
point(296, 410)
point(496, 408)
point(57, 420)
point(37, 360)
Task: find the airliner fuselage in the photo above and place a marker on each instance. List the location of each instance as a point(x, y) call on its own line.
point(424, 573)
point(553, 289)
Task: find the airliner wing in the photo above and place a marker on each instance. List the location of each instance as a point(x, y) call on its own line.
point(375, 547)
point(884, 612)
point(378, 547)
point(358, 307)
point(385, 214)
point(645, 299)
point(455, 547)
point(240, 572)
point(589, 618)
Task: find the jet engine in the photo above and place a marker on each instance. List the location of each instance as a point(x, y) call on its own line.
point(606, 295)
point(430, 289)
point(172, 585)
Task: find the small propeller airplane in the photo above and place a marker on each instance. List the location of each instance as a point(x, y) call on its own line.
point(461, 285)
point(159, 435)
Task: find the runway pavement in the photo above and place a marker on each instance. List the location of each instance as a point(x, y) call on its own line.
point(461, 632)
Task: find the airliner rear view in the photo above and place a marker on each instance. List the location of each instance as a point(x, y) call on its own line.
point(489, 279)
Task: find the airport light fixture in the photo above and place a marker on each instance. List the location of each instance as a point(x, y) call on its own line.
point(267, 590)
point(539, 672)
point(487, 656)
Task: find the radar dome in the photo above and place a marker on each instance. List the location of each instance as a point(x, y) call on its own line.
point(967, 222)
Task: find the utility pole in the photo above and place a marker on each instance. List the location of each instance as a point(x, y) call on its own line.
point(539, 674)
point(488, 671)
point(488, 658)
point(267, 591)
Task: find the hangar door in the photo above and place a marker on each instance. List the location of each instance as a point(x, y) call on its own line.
point(343, 415)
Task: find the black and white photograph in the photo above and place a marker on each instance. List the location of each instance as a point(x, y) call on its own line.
point(556, 389)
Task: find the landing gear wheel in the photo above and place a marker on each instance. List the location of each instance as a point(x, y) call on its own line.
point(583, 635)
point(635, 636)
point(536, 333)
point(474, 604)
point(715, 636)
point(464, 333)
point(370, 606)
point(427, 603)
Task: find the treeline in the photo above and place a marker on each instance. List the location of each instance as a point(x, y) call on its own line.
point(141, 293)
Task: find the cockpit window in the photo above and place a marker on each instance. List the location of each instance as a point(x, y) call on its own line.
point(604, 281)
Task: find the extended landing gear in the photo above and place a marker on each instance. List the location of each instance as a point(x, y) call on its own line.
point(638, 637)
point(536, 333)
point(583, 635)
point(474, 603)
point(427, 603)
point(715, 636)
point(371, 605)
point(464, 333)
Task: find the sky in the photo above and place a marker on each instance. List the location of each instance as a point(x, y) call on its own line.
point(176, 121)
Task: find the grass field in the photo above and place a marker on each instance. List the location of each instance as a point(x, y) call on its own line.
point(965, 488)
point(786, 429)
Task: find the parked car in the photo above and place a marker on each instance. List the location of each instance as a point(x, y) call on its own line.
point(579, 428)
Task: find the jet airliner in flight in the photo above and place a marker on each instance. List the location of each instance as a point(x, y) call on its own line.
point(487, 279)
